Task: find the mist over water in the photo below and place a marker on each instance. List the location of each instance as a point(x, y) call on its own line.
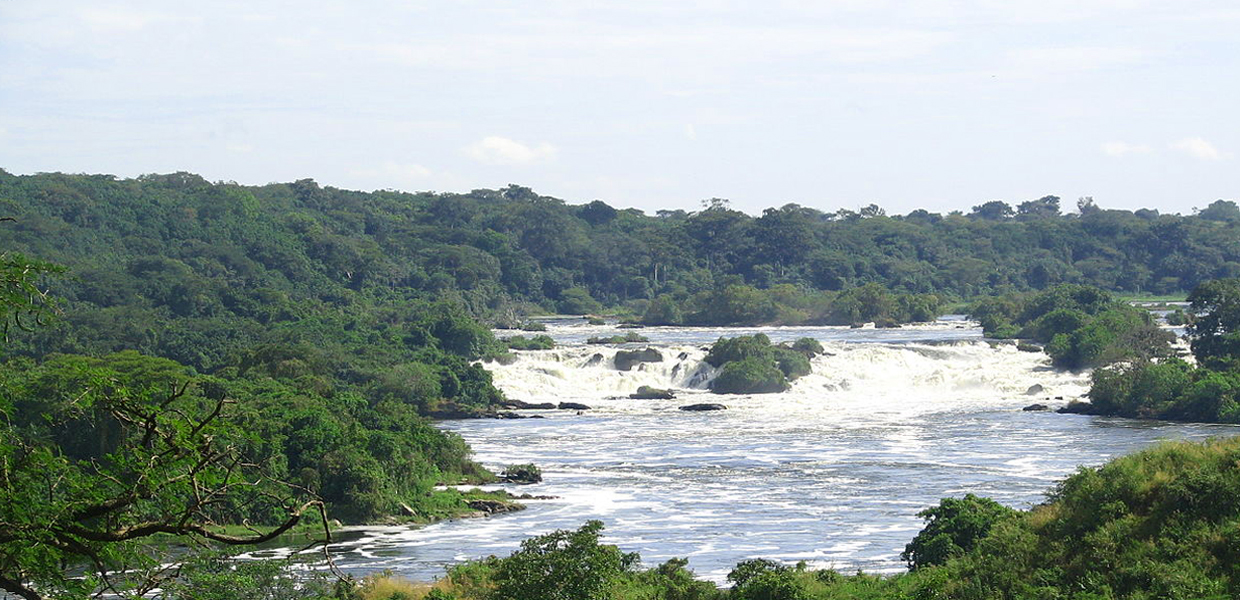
point(831, 472)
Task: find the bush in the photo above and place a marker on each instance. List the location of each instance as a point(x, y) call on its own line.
point(749, 376)
point(740, 348)
point(952, 529)
point(561, 565)
point(538, 342)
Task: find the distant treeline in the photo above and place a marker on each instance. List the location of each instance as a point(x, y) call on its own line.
point(235, 248)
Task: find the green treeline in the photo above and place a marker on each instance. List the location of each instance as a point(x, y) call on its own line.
point(262, 251)
point(1081, 326)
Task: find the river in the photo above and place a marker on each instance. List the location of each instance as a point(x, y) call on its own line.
point(831, 472)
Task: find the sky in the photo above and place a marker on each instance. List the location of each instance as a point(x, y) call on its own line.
point(651, 104)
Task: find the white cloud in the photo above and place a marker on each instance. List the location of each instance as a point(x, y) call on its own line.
point(1124, 149)
point(1198, 148)
point(496, 150)
point(690, 131)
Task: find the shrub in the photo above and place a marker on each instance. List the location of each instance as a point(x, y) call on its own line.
point(749, 376)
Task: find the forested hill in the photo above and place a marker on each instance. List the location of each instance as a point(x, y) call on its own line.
point(226, 245)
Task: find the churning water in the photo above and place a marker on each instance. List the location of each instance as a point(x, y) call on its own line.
point(832, 472)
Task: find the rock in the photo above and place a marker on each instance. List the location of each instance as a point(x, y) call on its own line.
point(626, 359)
point(886, 324)
point(682, 356)
point(408, 510)
point(492, 507)
point(856, 326)
point(508, 414)
point(594, 360)
point(1027, 347)
point(703, 407)
point(1076, 407)
point(1035, 389)
point(1036, 407)
point(630, 326)
point(522, 405)
point(525, 474)
point(646, 392)
point(572, 406)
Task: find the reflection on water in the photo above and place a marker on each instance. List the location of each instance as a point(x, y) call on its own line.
point(832, 472)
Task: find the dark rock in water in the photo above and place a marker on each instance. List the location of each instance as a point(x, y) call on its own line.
point(1036, 407)
point(626, 359)
point(505, 359)
point(572, 406)
point(526, 474)
point(630, 326)
point(646, 392)
point(886, 324)
point(704, 406)
point(508, 414)
point(594, 360)
point(1027, 347)
point(523, 405)
point(682, 356)
point(1076, 407)
point(856, 326)
point(1035, 389)
point(493, 507)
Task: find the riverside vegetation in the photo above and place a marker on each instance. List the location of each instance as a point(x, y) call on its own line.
point(272, 352)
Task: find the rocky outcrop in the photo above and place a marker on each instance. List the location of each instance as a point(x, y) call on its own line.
point(493, 507)
point(627, 359)
point(705, 406)
point(646, 392)
point(572, 406)
point(1036, 407)
point(1035, 389)
point(1077, 407)
point(523, 405)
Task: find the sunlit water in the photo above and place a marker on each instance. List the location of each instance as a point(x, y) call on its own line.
point(832, 472)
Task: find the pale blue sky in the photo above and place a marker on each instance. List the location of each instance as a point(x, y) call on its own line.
point(938, 104)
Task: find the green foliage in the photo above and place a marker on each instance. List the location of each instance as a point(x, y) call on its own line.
point(22, 293)
point(98, 455)
point(538, 342)
point(761, 579)
point(739, 348)
point(523, 473)
point(627, 338)
point(953, 529)
point(562, 565)
point(215, 577)
point(1215, 331)
point(752, 365)
point(749, 376)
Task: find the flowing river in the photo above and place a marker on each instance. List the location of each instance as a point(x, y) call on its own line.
point(831, 472)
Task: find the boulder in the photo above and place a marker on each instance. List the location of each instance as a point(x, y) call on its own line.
point(1036, 407)
point(646, 392)
point(626, 359)
point(572, 406)
point(703, 407)
point(594, 360)
point(1077, 407)
point(1027, 347)
point(492, 507)
point(1035, 389)
point(523, 405)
